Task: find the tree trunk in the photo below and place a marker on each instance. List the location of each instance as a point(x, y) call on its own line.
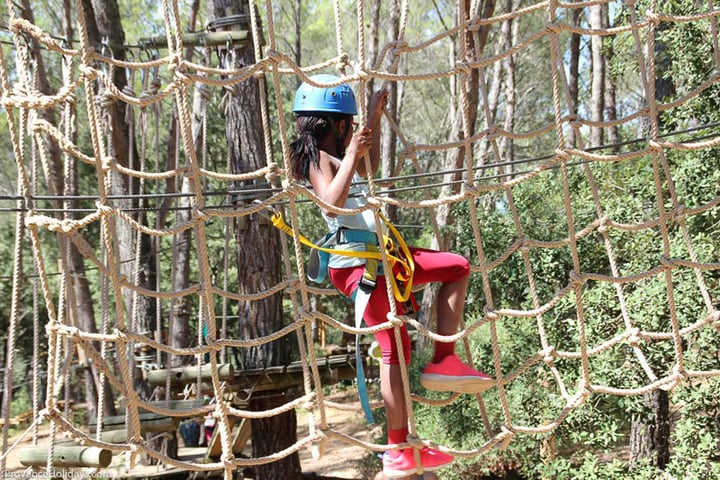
point(122, 147)
point(133, 251)
point(598, 77)
point(650, 433)
point(509, 30)
point(389, 137)
point(79, 289)
point(574, 74)
point(298, 34)
point(180, 308)
point(613, 134)
point(258, 263)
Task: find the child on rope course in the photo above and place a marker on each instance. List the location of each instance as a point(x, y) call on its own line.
point(329, 154)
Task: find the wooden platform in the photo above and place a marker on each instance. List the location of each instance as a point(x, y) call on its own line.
point(333, 368)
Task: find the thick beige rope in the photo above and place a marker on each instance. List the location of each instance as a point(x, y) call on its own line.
point(22, 101)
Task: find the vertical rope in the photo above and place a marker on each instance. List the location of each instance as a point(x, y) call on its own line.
point(311, 373)
point(206, 294)
point(23, 121)
point(657, 159)
point(556, 62)
point(12, 327)
point(338, 33)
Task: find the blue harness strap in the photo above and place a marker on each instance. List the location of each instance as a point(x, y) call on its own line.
point(362, 297)
point(316, 271)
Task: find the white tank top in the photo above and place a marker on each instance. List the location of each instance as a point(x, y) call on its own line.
point(365, 220)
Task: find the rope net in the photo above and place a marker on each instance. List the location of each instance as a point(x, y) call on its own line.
point(485, 182)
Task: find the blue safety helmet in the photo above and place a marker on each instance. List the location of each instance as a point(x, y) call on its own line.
point(310, 99)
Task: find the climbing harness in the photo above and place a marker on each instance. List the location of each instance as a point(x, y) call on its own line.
point(400, 260)
point(398, 254)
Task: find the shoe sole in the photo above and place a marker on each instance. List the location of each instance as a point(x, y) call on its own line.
point(443, 383)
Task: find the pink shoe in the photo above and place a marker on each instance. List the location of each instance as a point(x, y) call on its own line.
point(451, 375)
point(401, 463)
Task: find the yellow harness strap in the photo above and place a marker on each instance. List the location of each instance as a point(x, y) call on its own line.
point(399, 256)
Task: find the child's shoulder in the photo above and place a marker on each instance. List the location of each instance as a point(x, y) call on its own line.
point(330, 161)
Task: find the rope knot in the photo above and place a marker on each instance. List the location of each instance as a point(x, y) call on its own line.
point(505, 436)
point(463, 68)
point(175, 61)
point(655, 146)
point(305, 317)
point(89, 72)
point(292, 285)
point(549, 355)
point(214, 345)
point(576, 278)
point(562, 154)
point(120, 334)
point(321, 433)
point(666, 262)
point(343, 62)
point(104, 210)
point(715, 320)
point(106, 163)
point(634, 337)
point(273, 172)
point(182, 78)
point(652, 17)
point(492, 133)
point(490, 314)
point(201, 215)
point(228, 459)
point(363, 75)
point(409, 151)
point(586, 391)
point(414, 441)
point(524, 245)
point(72, 332)
point(678, 215)
point(395, 320)
point(274, 56)
point(105, 100)
point(681, 376)
point(44, 413)
point(399, 47)
point(554, 28)
point(293, 188)
point(374, 202)
point(603, 227)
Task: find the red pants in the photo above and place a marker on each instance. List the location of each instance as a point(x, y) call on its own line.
point(430, 266)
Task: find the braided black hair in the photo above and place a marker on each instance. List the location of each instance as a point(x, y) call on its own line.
point(304, 151)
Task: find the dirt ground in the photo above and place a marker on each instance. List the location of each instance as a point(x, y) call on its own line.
point(338, 459)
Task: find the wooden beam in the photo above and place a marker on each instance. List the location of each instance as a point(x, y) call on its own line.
point(167, 424)
point(147, 425)
point(189, 375)
point(230, 37)
point(65, 456)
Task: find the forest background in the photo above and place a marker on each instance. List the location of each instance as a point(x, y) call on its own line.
point(673, 434)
